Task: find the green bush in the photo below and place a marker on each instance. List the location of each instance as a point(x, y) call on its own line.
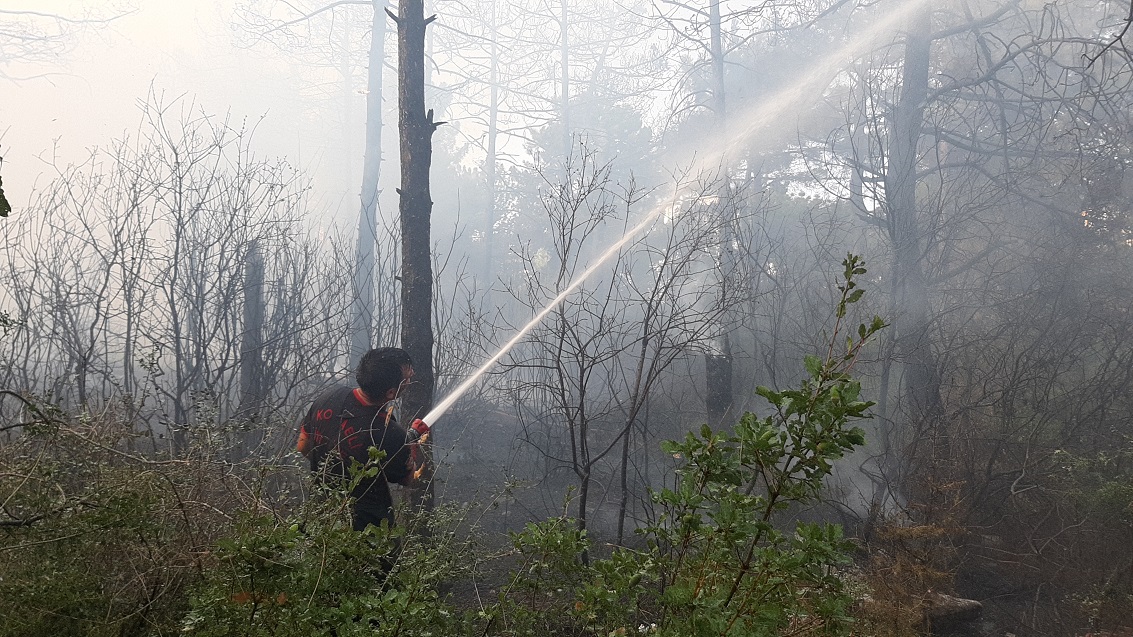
point(309, 573)
point(716, 562)
point(97, 541)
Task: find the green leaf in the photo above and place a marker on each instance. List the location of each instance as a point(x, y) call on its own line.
point(772, 396)
point(813, 364)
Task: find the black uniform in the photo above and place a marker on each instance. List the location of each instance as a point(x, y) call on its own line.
point(342, 427)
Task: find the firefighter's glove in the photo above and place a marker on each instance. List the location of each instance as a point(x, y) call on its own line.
point(421, 429)
point(418, 433)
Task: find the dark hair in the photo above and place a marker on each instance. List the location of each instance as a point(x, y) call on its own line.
point(380, 371)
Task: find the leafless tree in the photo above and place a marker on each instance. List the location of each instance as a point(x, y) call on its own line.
point(168, 275)
point(582, 381)
point(30, 36)
point(967, 166)
point(332, 27)
point(724, 53)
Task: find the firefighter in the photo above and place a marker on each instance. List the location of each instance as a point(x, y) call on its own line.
point(344, 422)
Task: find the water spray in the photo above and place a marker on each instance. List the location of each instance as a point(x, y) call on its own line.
point(447, 402)
point(754, 123)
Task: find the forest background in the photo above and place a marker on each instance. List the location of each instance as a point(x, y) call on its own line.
point(184, 270)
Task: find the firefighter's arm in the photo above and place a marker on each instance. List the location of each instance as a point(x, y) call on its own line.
point(397, 443)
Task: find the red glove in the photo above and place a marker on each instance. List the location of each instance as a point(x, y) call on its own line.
point(421, 428)
point(418, 433)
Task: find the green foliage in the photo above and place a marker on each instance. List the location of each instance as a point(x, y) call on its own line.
point(7, 323)
point(84, 569)
point(100, 541)
point(318, 576)
point(724, 566)
point(299, 578)
point(94, 541)
point(538, 597)
point(717, 562)
point(310, 573)
point(1100, 485)
point(1099, 488)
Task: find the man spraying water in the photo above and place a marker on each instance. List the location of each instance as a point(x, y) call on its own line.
point(343, 423)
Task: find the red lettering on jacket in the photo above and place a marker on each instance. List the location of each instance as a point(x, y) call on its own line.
point(353, 442)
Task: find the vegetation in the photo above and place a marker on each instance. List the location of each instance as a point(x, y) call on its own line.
point(103, 541)
point(170, 300)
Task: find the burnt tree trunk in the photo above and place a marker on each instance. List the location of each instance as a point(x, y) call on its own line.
point(253, 388)
point(718, 364)
point(718, 379)
point(416, 127)
point(564, 79)
point(362, 315)
point(921, 373)
point(490, 158)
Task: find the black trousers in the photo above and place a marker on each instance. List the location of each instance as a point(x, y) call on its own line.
point(366, 513)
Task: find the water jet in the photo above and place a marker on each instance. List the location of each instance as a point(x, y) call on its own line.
point(754, 123)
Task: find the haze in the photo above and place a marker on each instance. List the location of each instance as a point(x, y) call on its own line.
point(786, 220)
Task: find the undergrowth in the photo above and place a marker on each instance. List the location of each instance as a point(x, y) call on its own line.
point(102, 541)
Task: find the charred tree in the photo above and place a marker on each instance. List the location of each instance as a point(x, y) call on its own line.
point(491, 158)
point(921, 375)
point(253, 383)
point(415, 127)
point(362, 316)
point(718, 363)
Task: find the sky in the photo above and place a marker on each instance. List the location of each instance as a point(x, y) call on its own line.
point(90, 93)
